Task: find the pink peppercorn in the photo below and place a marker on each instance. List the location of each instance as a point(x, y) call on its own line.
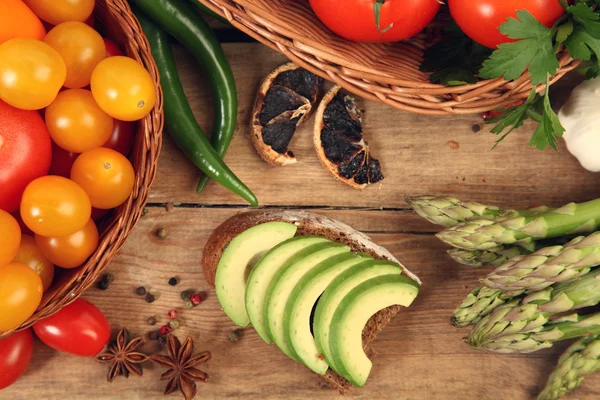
point(196, 299)
point(172, 314)
point(165, 330)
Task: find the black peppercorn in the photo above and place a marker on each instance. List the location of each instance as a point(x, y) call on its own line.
point(103, 284)
point(154, 335)
point(162, 340)
point(151, 321)
point(476, 128)
point(186, 294)
point(149, 298)
point(140, 291)
point(173, 281)
point(234, 336)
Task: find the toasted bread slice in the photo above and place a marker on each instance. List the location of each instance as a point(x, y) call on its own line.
point(308, 224)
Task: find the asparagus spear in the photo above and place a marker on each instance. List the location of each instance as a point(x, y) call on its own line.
point(548, 266)
point(493, 257)
point(483, 234)
point(510, 327)
point(448, 211)
point(581, 359)
point(479, 303)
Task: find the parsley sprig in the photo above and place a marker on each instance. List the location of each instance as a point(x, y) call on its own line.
point(534, 52)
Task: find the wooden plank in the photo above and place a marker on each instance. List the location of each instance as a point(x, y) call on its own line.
point(414, 150)
point(419, 356)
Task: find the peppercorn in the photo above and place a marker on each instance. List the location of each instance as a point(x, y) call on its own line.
point(151, 321)
point(173, 281)
point(174, 323)
point(189, 304)
point(171, 314)
point(140, 291)
point(109, 277)
point(154, 335)
point(476, 128)
point(165, 330)
point(103, 284)
point(162, 340)
point(145, 211)
point(149, 298)
point(196, 299)
point(185, 295)
point(234, 336)
point(161, 233)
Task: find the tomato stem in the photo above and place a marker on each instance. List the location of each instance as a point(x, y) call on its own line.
point(377, 9)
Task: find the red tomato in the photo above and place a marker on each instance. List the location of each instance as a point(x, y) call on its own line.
point(112, 49)
point(62, 161)
point(79, 328)
point(25, 153)
point(355, 19)
point(15, 355)
point(122, 137)
point(480, 19)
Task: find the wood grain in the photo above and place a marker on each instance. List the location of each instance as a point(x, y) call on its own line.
point(420, 356)
point(415, 152)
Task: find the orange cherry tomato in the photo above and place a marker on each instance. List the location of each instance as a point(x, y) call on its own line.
point(30, 255)
point(18, 21)
point(72, 250)
point(112, 48)
point(81, 47)
point(55, 206)
point(10, 237)
point(123, 88)
point(106, 176)
point(31, 73)
point(59, 11)
point(20, 294)
point(122, 138)
point(76, 123)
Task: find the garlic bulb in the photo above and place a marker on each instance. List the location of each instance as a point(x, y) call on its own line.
point(581, 118)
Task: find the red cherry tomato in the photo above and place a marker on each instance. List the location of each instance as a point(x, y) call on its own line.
point(122, 137)
point(25, 153)
point(15, 356)
point(112, 49)
point(62, 161)
point(79, 328)
point(355, 19)
point(480, 19)
point(99, 213)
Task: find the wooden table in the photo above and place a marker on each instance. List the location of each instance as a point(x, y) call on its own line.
point(420, 355)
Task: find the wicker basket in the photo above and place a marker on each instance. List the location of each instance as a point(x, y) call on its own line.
point(115, 20)
point(387, 73)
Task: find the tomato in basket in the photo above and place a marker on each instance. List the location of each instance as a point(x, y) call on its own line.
point(376, 21)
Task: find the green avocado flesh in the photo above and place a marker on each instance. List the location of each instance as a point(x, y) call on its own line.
point(335, 293)
point(353, 313)
point(237, 261)
point(296, 319)
point(278, 258)
point(283, 284)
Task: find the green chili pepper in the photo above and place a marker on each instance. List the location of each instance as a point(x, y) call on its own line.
point(178, 18)
point(179, 119)
point(205, 10)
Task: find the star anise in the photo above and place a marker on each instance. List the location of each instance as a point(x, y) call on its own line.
point(123, 357)
point(180, 363)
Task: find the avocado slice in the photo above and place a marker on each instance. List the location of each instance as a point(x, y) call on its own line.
point(335, 293)
point(284, 282)
point(353, 313)
point(296, 319)
point(237, 261)
point(279, 257)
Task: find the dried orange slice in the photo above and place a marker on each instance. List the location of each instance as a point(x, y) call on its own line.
point(284, 100)
point(339, 141)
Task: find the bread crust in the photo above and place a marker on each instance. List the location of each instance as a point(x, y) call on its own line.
point(308, 224)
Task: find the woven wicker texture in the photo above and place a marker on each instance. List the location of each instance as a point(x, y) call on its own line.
point(388, 73)
point(115, 20)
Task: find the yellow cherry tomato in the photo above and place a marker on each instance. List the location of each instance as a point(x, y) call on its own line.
point(72, 250)
point(31, 73)
point(30, 255)
point(20, 294)
point(55, 206)
point(105, 175)
point(76, 123)
point(81, 47)
point(59, 11)
point(10, 237)
point(123, 88)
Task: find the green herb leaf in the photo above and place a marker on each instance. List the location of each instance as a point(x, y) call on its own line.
point(586, 18)
point(564, 31)
point(534, 51)
point(549, 128)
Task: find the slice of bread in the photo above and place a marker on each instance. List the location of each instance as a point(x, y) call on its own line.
point(308, 224)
